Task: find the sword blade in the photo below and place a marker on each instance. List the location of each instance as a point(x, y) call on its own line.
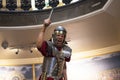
point(51, 12)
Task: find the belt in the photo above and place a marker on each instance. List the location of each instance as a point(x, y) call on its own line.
point(55, 77)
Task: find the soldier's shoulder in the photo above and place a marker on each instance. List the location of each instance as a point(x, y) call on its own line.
point(68, 47)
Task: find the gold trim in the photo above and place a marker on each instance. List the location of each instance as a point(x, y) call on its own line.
point(25, 61)
point(33, 69)
point(95, 53)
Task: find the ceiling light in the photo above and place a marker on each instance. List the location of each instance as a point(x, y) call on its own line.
point(31, 51)
point(4, 44)
point(17, 51)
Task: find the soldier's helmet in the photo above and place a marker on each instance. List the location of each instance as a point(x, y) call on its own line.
point(60, 30)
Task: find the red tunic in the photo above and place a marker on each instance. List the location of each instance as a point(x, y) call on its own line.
point(44, 50)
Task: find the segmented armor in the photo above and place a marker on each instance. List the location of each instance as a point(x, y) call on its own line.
point(53, 66)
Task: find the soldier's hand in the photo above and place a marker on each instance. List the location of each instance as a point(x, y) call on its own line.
point(47, 22)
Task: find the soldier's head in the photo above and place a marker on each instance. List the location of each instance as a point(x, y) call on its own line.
point(59, 36)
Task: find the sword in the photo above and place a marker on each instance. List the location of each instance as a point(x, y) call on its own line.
point(51, 12)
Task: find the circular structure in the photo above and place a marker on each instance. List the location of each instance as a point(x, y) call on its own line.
point(15, 75)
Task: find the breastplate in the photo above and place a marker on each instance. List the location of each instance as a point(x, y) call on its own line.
point(52, 66)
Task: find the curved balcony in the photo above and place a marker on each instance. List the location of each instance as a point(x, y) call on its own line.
point(36, 17)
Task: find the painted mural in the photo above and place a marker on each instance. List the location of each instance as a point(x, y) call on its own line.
point(23, 72)
point(104, 67)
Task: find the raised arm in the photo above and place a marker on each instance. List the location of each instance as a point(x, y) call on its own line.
point(40, 39)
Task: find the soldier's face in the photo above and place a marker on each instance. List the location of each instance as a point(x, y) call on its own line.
point(59, 39)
